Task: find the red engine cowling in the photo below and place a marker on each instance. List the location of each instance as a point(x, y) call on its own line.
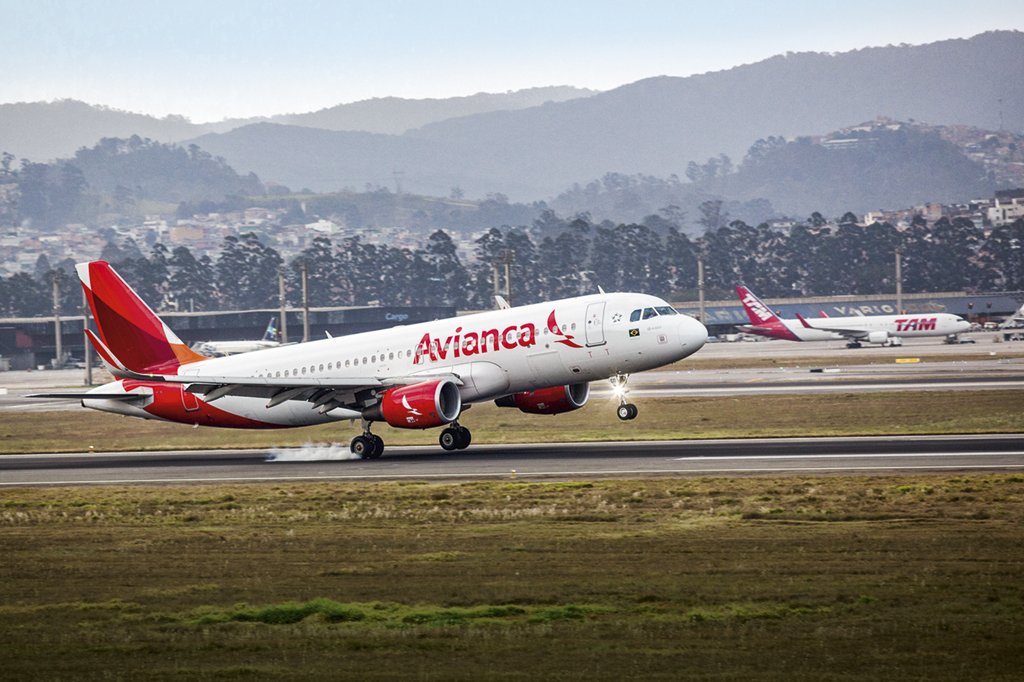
point(552, 400)
point(419, 406)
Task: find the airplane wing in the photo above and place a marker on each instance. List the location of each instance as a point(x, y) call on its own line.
point(849, 333)
point(325, 393)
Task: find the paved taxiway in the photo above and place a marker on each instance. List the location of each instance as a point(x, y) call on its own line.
point(527, 461)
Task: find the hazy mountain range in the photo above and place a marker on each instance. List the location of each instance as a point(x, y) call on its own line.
point(42, 131)
point(534, 144)
point(654, 126)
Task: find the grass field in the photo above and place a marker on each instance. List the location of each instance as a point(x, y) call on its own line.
point(769, 578)
point(992, 411)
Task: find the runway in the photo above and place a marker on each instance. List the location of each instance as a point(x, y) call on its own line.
point(811, 456)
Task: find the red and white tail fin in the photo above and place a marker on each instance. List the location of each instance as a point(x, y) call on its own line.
point(759, 313)
point(131, 336)
point(763, 320)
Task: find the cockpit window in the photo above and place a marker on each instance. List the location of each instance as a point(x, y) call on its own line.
point(666, 310)
point(635, 315)
point(649, 313)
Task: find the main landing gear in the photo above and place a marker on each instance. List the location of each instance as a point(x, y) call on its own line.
point(371, 446)
point(626, 410)
point(455, 437)
point(368, 445)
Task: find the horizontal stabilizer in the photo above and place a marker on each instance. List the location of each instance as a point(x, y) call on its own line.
point(124, 397)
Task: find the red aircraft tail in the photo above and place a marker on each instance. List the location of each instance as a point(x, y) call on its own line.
point(763, 320)
point(131, 336)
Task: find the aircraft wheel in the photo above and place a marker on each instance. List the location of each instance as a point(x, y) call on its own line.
point(449, 439)
point(363, 447)
point(627, 411)
point(378, 446)
point(464, 438)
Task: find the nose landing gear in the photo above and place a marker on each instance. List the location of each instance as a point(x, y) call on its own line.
point(626, 410)
point(455, 437)
point(368, 445)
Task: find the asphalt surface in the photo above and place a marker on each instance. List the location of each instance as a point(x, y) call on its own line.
point(528, 461)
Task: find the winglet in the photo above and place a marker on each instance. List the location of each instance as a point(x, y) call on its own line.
point(803, 321)
point(502, 303)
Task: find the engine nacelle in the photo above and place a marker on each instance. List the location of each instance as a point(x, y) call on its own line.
point(552, 400)
point(418, 406)
point(878, 337)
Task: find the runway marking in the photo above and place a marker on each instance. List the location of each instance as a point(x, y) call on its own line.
point(853, 455)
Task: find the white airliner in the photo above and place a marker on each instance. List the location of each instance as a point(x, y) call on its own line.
point(538, 358)
point(883, 329)
point(221, 348)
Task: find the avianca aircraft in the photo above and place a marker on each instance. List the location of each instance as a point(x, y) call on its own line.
point(538, 358)
point(883, 329)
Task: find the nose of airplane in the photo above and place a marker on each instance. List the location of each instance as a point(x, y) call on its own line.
point(692, 334)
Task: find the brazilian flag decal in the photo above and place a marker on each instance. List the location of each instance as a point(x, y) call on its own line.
point(634, 332)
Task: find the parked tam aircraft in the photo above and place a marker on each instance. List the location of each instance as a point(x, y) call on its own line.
point(883, 329)
point(538, 358)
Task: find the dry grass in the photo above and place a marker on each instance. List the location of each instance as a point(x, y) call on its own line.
point(772, 578)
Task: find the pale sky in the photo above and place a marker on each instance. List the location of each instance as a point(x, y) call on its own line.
point(213, 59)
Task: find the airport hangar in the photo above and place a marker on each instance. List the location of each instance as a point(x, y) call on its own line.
point(30, 342)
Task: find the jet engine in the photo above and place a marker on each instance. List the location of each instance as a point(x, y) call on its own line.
point(878, 337)
point(418, 406)
point(552, 400)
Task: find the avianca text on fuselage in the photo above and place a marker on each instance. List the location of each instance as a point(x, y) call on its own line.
point(469, 343)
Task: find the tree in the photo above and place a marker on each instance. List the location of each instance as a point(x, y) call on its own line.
point(448, 280)
point(191, 281)
point(247, 273)
point(712, 217)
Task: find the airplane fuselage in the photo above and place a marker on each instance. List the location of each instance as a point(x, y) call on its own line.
point(494, 353)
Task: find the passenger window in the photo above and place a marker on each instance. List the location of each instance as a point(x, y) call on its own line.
point(321, 367)
point(391, 356)
point(666, 310)
point(634, 316)
point(649, 313)
point(286, 372)
point(346, 363)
